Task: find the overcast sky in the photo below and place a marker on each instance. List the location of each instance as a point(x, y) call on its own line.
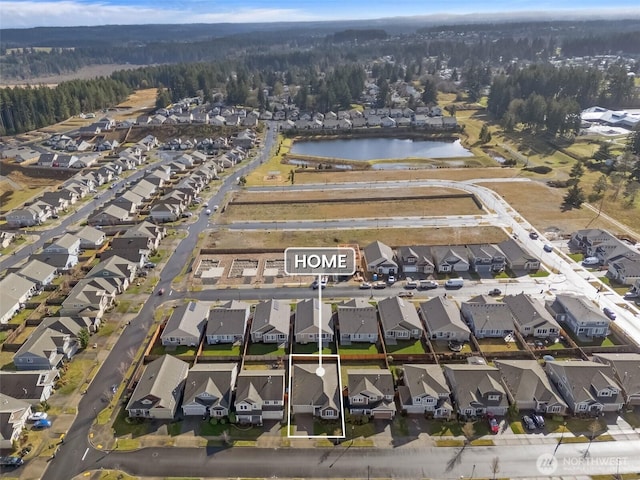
point(32, 13)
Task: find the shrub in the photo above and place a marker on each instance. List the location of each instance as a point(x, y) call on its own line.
point(213, 421)
point(541, 169)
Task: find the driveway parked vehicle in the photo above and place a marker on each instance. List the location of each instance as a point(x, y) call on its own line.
point(35, 416)
point(42, 424)
point(528, 423)
point(538, 420)
point(494, 426)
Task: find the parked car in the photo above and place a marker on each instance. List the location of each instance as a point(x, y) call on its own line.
point(528, 423)
point(315, 285)
point(609, 313)
point(149, 265)
point(365, 286)
point(207, 211)
point(547, 248)
point(410, 284)
point(495, 292)
point(11, 461)
point(455, 346)
point(379, 285)
point(42, 424)
point(533, 235)
point(405, 294)
point(35, 416)
point(428, 284)
point(391, 280)
point(187, 214)
point(494, 426)
point(538, 420)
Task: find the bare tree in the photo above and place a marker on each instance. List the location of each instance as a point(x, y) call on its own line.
point(469, 431)
point(495, 466)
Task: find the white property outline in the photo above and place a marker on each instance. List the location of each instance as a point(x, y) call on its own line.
point(290, 405)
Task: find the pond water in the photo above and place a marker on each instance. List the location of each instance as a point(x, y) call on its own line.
point(380, 148)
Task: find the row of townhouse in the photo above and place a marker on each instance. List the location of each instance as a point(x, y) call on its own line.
point(419, 121)
point(621, 259)
point(428, 260)
point(358, 321)
point(168, 386)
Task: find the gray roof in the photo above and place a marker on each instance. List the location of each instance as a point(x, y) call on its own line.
point(488, 314)
point(484, 251)
point(527, 381)
point(188, 319)
point(310, 389)
point(307, 318)
point(357, 316)
point(626, 367)
point(271, 316)
point(424, 380)
point(398, 314)
point(450, 254)
point(11, 409)
point(49, 336)
point(216, 380)
point(470, 383)
point(370, 380)
point(584, 377)
point(90, 234)
point(378, 251)
point(580, 307)
point(229, 319)
point(15, 286)
point(37, 271)
point(160, 385)
point(442, 315)
point(66, 241)
point(529, 311)
point(258, 386)
point(514, 253)
point(27, 384)
point(421, 252)
point(114, 266)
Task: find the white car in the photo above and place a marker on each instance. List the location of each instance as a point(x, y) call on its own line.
point(35, 416)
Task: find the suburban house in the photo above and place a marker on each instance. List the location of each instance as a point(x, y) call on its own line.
point(530, 316)
point(309, 318)
point(319, 396)
point(147, 230)
point(477, 390)
point(371, 393)
point(443, 320)
point(450, 259)
point(228, 323)
point(271, 322)
point(33, 386)
point(425, 390)
point(159, 389)
point(529, 388)
point(62, 261)
point(380, 259)
point(588, 388)
point(518, 259)
point(580, 315)
point(28, 216)
point(51, 343)
point(208, 389)
point(17, 287)
point(488, 318)
point(110, 215)
point(68, 244)
point(602, 245)
point(626, 368)
point(90, 238)
point(625, 269)
point(13, 419)
point(399, 319)
point(9, 306)
point(260, 396)
point(416, 259)
point(357, 322)
point(89, 297)
point(486, 258)
point(186, 325)
point(38, 272)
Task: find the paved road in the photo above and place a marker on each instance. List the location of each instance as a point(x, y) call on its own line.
point(410, 462)
point(67, 462)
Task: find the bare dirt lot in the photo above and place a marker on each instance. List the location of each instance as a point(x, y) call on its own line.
point(541, 206)
point(279, 239)
point(17, 187)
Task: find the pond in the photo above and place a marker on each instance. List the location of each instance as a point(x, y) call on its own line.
point(364, 149)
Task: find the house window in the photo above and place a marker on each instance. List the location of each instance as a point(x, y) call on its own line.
point(243, 407)
point(604, 393)
point(581, 407)
point(554, 409)
point(493, 398)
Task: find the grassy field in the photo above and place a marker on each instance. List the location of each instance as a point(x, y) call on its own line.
point(272, 172)
point(77, 371)
point(222, 349)
point(548, 215)
point(406, 346)
point(378, 209)
point(265, 349)
point(17, 188)
point(391, 236)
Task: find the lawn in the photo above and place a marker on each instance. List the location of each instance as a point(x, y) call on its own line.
point(406, 346)
point(123, 306)
point(497, 345)
point(75, 374)
point(206, 429)
point(21, 316)
point(326, 427)
point(265, 349)
point(177, 351)
point(123, 426)
point(358, 349)
point(107, 328)
point(312, 349)
point(221, 349)
point(399, 427)
point(127, 444)
point(115, 475)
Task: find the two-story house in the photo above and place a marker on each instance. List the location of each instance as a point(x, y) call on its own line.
point(271, 322)
point(260, 396)
point(416, 259)
point(450, 259)
point(380, 259)
point(357, 322)
point(48, 346)
point(477, 390)
point(626, 367)
point(319, 396)
point(588, 388)
point(486, 259)
point(579, 315)
point(371, 392)
point(312, 319)
point(208, 389)
point(424, 389)
point(13, 419)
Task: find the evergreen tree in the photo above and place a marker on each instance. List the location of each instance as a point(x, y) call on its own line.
point(574, 197)
point(603, 153)
point(576, 172)
point(430, 92)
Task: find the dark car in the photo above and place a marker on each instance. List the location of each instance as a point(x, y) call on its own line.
point(533, 235)
point(528, 423)
point(495, 292)
point(11, 461)
point(538, 420)
point(548, 248)
point(315, 285)
point(25, 451)
point(609, 313)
